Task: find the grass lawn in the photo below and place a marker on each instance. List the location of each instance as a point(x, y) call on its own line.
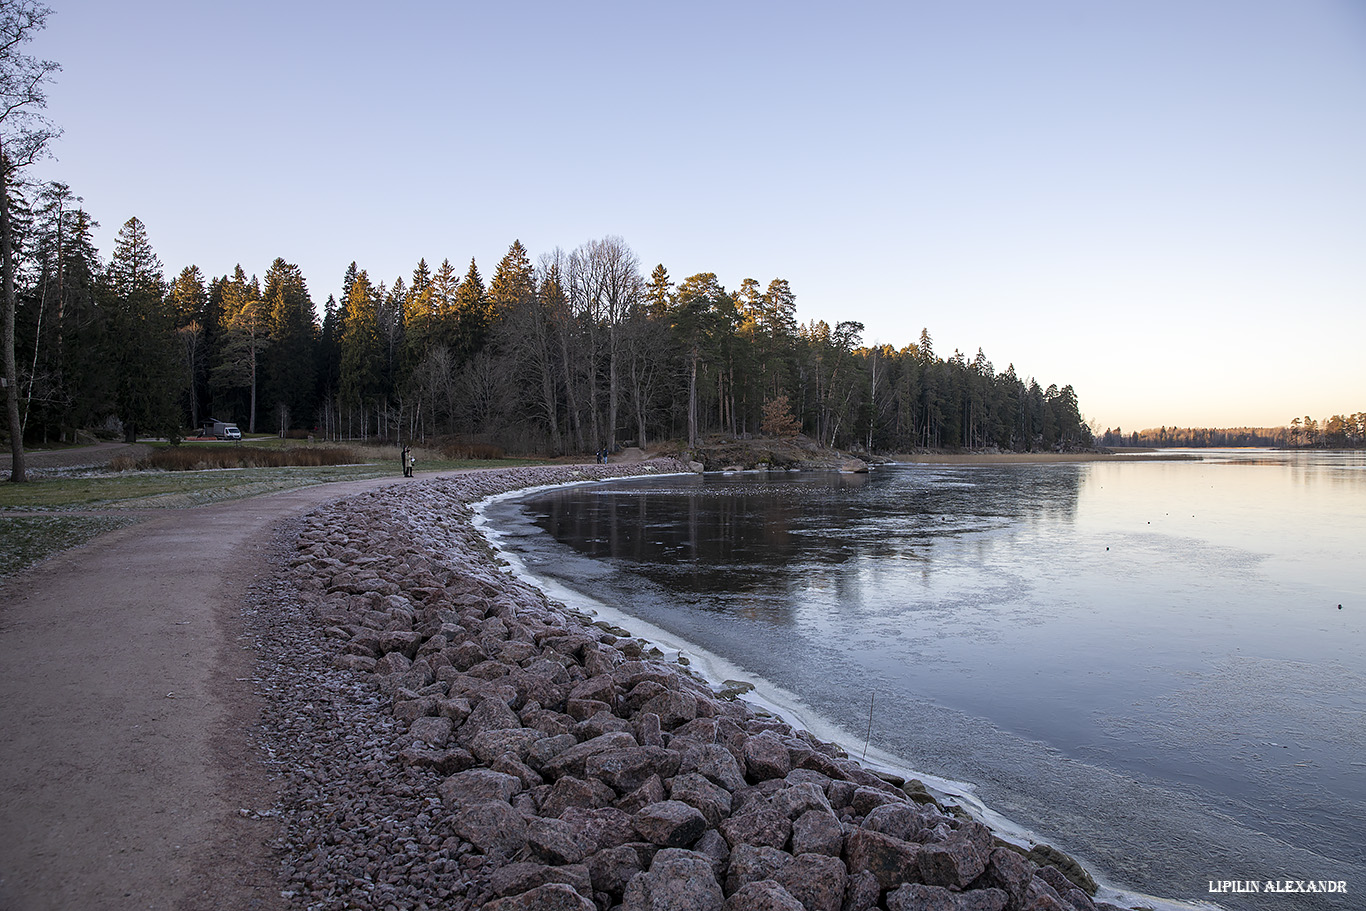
point(25, 540)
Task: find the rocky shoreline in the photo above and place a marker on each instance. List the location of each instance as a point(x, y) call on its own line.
point(446, 737)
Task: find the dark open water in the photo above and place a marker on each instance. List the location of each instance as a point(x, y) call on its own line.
point(1144, 663)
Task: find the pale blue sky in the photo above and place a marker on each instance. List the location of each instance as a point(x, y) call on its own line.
point(1162, 203)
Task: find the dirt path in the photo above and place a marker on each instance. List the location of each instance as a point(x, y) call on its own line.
point(126, 714)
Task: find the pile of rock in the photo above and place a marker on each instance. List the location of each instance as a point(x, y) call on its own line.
point(559, 765)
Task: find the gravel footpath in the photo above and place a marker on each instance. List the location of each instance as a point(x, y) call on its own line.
point(443, 736)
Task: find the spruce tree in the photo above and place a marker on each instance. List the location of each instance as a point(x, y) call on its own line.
point(290, 360)
point(360, 345)
point(246, 334)
point(188, 301)
point(147, 378)
point(472, 317)
point(514, 281)
point(659, 293)
point(59, 302)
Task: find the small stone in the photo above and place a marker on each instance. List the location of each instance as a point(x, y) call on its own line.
point(392, 663)
point(583, 709)
point(713, 845)
point(404, 641)
point(509, 764)
point(900, 820)
point(547, 748)
point(648, 730)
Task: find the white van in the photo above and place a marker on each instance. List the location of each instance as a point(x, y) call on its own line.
point(221, 430)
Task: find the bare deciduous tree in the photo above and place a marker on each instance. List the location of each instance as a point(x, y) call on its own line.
point(24, 136)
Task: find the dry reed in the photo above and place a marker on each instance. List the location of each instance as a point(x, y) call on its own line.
point(200, 458)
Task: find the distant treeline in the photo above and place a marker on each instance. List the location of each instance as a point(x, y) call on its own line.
point(1341, 431)
point(577, 353)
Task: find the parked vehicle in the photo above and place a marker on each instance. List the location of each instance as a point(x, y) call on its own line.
point(221, 430)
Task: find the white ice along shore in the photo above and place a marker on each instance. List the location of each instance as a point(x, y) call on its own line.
point(764, 695)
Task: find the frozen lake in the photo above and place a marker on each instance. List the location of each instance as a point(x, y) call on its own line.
point(1143, 662)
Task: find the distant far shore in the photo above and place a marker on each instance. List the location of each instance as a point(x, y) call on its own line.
point(803, 453)
point(1012, 458)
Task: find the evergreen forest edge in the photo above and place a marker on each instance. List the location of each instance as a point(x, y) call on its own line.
point(577, 353)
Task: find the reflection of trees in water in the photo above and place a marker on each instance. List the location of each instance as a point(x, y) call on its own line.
point(768, 535)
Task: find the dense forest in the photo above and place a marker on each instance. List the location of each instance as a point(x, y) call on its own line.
point(576, 353)
point(1341, 431)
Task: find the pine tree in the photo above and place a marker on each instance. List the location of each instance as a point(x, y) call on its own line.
point(188, 301)
point(290, 361)
point(471, 316)
point(445, 290)
point(329, 367)
point(697, 320)
point(514, 281)
point(659, 293)
point(360, 346)
point(59, 303)
point(246, 334)
point(147, 376)
point(419, 317)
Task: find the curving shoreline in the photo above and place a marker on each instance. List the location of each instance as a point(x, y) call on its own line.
point(449, 737)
